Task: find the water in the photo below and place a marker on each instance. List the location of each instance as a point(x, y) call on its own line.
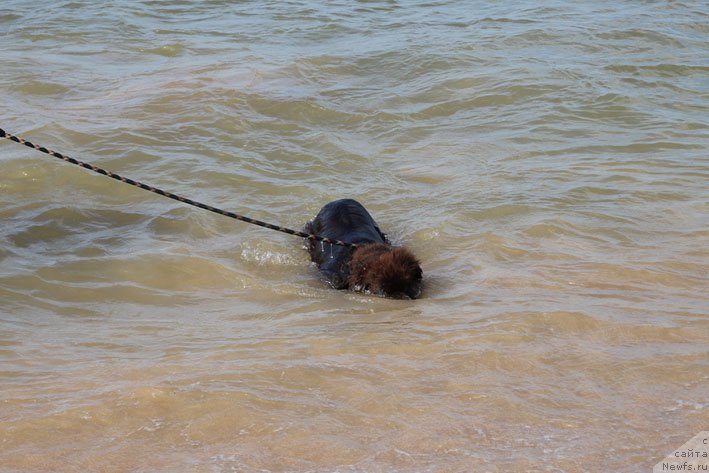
point(547, 163)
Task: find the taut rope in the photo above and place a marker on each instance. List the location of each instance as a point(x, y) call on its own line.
point(169, 195)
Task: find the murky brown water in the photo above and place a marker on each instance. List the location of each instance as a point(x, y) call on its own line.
point(548, 163)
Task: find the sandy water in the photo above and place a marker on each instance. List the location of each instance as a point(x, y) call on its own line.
point(547, 163)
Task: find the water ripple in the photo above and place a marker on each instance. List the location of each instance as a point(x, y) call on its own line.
point(547, 164)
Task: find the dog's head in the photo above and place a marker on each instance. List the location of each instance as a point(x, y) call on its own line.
point(386, 271)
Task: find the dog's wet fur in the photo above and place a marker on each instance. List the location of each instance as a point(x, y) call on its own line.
point(375, 266)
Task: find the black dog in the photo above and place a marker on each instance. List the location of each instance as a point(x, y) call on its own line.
point(374, 266)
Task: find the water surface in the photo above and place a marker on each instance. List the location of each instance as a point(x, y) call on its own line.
point(547, 163)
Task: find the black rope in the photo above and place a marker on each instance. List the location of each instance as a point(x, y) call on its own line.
point(169, 195)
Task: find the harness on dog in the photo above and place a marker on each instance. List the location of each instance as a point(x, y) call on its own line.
point(169, 195)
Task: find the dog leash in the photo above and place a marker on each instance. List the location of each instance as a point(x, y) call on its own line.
point(170, 195)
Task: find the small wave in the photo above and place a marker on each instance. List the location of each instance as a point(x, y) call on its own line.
point(167, 50)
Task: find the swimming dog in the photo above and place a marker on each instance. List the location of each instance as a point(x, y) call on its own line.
point(374, 266)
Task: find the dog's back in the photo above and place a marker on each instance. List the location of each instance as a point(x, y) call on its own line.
point(346, 220)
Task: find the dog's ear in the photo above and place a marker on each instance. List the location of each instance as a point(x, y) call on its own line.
point(363, 265)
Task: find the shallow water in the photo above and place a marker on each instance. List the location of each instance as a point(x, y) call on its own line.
point(547, 163)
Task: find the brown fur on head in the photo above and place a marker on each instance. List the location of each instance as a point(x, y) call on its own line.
point(385, 270)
